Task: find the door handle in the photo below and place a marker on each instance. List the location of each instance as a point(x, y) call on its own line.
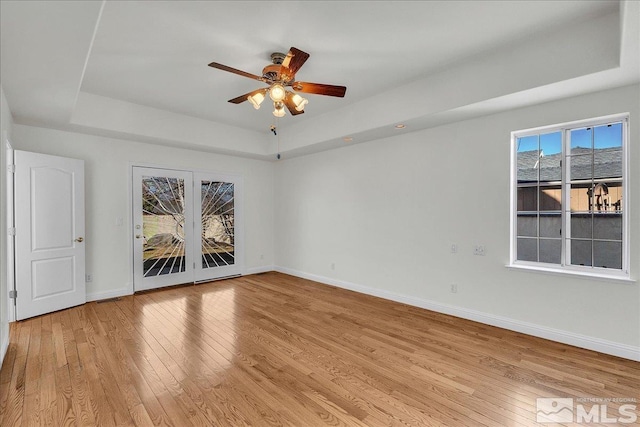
point(138, 236)
point(79, 240)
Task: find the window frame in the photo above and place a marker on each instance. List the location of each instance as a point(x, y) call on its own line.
point(564, 266)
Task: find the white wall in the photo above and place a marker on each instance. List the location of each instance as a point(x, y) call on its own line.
point(387, 212)
point(107, 183)
point(5, 130)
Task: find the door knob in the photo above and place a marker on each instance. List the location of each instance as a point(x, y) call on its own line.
point(79, 239)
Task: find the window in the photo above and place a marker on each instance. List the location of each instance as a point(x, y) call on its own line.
point(569, 197)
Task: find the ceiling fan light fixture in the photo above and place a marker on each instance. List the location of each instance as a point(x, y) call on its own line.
point(299, 102)
point(256, 99)
point(277, 92)
point(278, 109)
point(279, 75)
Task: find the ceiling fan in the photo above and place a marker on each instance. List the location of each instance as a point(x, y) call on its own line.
point(279, 75)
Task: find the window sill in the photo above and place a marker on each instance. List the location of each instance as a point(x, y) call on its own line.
point(566, 272)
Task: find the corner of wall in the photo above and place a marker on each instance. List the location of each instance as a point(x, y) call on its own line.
point(6, 122)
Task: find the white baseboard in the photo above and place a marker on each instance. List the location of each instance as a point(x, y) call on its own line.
point(4, 346)
point(128, 290)
point(558, 335)
point(258, 270)
point(97, 296)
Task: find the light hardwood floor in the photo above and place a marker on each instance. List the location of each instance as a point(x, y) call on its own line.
point(271, 349)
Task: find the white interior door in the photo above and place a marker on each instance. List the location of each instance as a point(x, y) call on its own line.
point(218, 243)
point(49, 242)
point(163, 227)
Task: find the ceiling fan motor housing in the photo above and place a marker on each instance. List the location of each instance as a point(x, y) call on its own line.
point(271, 71)
point(278, 57)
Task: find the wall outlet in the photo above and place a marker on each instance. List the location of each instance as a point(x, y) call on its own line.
point(454, 288)
point(479, 250)
point(261, 256)
point(119, 221)
point(88, 278)
point(333, 265)
point(454, 248)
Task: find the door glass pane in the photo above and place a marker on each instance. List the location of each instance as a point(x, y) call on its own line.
point(163, 225)
point(218, 234)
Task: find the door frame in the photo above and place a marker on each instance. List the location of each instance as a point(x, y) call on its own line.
point(239, 182)
point(10, 259)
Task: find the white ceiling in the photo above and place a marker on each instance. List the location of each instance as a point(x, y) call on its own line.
point(139, 68)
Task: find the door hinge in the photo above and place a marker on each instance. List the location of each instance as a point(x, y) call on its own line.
point(11, 168)
point(194, 265)
point(12, 231)
point(13, 294)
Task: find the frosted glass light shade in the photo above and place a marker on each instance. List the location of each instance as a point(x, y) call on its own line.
point(256, 99)
point(278, 109)
point(277, 92)
point(299, 102)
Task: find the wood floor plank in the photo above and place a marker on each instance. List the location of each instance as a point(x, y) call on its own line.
point(100, 407)
point(12, 350)
point(275, 350)
point(33, 374)
point(11, 407)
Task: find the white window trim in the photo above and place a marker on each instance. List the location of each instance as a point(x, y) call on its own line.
point(593, 272)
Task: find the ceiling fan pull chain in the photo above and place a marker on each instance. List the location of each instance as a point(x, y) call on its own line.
point(278, 135)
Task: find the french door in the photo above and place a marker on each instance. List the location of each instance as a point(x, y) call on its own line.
point(217, 225)
point(186, 227)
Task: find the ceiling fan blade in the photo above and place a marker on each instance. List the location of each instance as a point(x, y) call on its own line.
point(294, 60)
point(236, 71)
point(319, 89)
point(291, 106)
point(244, 97)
